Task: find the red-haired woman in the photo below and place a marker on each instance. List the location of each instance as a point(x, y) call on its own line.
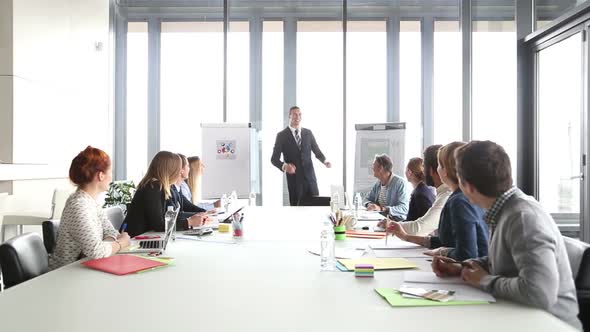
point(84, 229)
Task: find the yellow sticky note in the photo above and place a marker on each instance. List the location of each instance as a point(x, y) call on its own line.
point(224, 228)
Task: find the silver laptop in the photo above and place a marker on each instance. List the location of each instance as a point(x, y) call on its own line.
point(154, 245)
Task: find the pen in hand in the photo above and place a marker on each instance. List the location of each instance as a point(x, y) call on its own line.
point(123, 228)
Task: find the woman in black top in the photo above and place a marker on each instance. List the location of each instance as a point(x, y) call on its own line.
point(154, 194)
point(423, 196)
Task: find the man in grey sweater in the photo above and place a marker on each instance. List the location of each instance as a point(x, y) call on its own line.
point(527, 261)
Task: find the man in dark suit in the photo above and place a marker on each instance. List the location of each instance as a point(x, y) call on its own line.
point(296, 144)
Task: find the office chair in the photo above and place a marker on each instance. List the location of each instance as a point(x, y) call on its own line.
point(315, 201)
point(22, 258)
point(115, 215)
point(50, 229)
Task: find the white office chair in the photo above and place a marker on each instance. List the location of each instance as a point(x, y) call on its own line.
point(115, 215)
point(15, 214)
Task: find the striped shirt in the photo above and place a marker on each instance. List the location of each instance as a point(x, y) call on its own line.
point(82, 231)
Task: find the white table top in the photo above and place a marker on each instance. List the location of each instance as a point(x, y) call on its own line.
point(266, 282)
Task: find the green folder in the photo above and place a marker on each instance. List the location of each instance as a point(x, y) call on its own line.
point(395, 299)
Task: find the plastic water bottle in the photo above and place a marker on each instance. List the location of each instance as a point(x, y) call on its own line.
point(358, 203)
point(169, 221)
point(233, 199)
point(252, 199)
point(335, 202)
point(327, 259)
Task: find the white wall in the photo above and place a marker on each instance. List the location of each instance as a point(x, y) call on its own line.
point(54, 87)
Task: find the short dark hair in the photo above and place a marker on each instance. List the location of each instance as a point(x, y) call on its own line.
point(384, 161)
point(486, 166)
point(293, 108)
point(431, 157)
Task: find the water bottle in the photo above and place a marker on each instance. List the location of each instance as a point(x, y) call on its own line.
point(252, 199)
point(169, 221)
point(335, 202)
point(327, 259)
point(233, 199)
point(358, 203)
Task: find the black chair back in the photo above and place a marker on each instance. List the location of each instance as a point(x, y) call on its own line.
point(50, 229)
point(315, 201)
point(22, 258)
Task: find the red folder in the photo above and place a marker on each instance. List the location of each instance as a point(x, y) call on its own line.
point(122, 264)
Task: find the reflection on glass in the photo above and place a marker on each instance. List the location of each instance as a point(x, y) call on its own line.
point(319, 93)
point(559, 110)
point(137, 72)
point(448, 119)
point(272, 109)
point(411, 87)
point(191, 83)
point(366, 82)
point(494, 85)
point(238, 72)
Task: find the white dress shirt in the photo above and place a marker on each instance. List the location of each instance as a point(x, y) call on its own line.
point(429, 221)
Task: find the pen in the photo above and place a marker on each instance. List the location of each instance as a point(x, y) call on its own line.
point(123, 227)
point(462, 263)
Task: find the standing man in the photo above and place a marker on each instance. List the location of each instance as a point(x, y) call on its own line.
point(296, 145)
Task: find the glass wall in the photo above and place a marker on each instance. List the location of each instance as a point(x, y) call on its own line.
point(366, 95)
point(272, 109)
point(559, 101)
point(319, 93)
point(410, 54)
point(447, 83)
point(137, 81)
point(493, 75)
point(238, 72)
point(191, 83)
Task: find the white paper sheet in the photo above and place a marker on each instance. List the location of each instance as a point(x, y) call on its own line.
point(405, 253)
point(463, 292)
point(430, 278)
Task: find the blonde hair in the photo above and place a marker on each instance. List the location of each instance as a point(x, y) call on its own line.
point(446, 159)
point(195, 175)
point(164, 168)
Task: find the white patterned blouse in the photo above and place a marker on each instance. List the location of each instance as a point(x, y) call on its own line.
point(83, 229)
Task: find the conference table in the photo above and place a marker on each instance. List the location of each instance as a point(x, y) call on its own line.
point(266, 281)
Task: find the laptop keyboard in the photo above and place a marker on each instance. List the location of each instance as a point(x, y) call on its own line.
point(149, 244)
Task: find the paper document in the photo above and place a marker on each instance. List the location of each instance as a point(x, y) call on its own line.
point(340, 252)
point(395, 299)
point(430, 278)
point(463, 292)
point(400, 253)
point(379, 263)
point(395, 244)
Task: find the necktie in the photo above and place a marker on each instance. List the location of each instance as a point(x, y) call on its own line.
point(298, 138)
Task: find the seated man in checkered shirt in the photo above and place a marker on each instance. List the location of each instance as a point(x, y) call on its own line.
point(527, 260)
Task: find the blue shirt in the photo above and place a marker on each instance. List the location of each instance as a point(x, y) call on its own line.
point(396, 196)
point(462, 228)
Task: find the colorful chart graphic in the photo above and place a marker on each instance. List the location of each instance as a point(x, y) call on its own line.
point(226, 149)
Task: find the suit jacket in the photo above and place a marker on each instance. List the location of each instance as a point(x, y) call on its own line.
point(187, 208)
point(304, 177)
point(420, 201)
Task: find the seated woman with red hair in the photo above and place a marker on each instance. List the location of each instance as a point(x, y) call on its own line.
point(84, 229)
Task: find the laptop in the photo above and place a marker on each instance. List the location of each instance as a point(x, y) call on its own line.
point(153, 245)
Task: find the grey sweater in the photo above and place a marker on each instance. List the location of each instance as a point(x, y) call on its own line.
point(528, 261)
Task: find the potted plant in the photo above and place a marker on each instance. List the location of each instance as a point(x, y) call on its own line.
point(119, 193)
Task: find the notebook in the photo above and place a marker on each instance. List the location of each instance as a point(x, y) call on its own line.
point(122, 264)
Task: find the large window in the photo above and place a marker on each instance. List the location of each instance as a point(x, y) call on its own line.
point(410, 53)
point(272, 109)
point(238, 72)
point(548, 10)
point(448, 114)
point(559, 110)
point(319, 93)
point(366, 83)
point(191, 83)
point(494, 75)
point(137, 80)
